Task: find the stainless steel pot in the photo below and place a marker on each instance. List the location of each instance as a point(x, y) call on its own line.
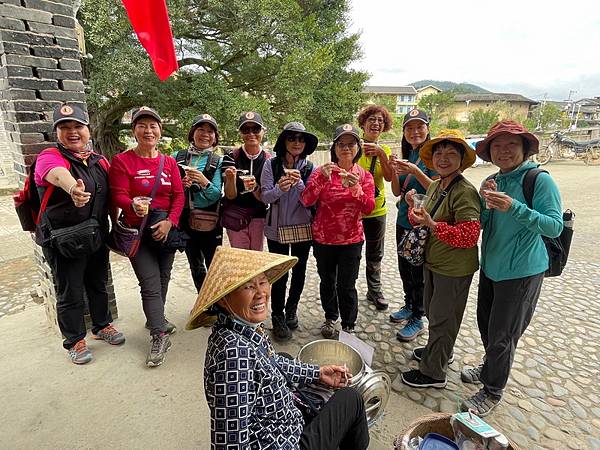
point(374, 386)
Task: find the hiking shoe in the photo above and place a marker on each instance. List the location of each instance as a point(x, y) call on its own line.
point(417, 354)
point(405, 313)
point(348, 329)
point(328, 329)
point(79, 353)
point(378, 299)
point(411, 330)
point(481, 403)
point(170, 328)
point(471, 374)
point(292, 321)
point(160, 346)
point(281, 331)
point(416, 379)
point(110, 335)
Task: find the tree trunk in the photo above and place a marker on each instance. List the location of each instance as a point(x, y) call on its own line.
point(105, 123)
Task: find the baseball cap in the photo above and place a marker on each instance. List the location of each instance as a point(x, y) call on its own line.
point(415, 114)
point(250, 117)
point(69, 111)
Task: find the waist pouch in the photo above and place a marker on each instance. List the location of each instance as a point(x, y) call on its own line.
point(176, 239)
point(236, 218)
point(78, 240)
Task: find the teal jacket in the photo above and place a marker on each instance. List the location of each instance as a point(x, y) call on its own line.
point(512, 245)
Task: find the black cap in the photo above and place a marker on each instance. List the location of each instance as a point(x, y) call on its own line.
point(66, 112)
point(199, 120)
point(250, 117)
point(145, 111)
point(346, 129)
point(293, 128)
point(415, 114)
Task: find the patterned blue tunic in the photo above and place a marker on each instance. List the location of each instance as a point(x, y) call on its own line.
point(251, 406)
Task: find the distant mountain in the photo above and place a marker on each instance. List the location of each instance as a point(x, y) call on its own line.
point(460, 88)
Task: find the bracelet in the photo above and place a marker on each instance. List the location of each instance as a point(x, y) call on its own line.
point(71, 188)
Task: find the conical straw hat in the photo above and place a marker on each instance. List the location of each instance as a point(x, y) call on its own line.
point(230, 269)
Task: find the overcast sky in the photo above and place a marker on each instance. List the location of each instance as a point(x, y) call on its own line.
point(528, 47)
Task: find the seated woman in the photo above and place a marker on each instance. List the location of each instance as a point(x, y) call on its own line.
point(451, 212)
point(247, 385)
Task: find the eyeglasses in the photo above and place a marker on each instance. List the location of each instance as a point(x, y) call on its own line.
point(253, 130)
point(348, 146)
point(297, 138)
point(376, 120)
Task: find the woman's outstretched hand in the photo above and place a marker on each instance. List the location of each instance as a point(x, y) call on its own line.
point(335, 376)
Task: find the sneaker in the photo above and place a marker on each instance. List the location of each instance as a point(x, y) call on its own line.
point(348, 329)
point(416, 379)
point(411, 330)
point(481, 403)
point(379, 300)
point(292, 321)
point(79, 353)
point(328, 329)
point(160, 346)
point(471, 374)
point(405, 313)
point(281, 332)
point(417, 354)
point(110, 335)
point(169, 329)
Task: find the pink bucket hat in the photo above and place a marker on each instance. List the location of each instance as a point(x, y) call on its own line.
point(506, 127)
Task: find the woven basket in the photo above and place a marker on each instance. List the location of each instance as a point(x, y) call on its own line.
point(432, 423)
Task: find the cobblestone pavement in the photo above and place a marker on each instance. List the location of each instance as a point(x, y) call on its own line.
point(552, 399)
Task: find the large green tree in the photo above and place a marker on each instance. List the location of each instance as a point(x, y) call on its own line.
point(288, 59)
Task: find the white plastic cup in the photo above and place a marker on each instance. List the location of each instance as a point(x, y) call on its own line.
point(143, 203)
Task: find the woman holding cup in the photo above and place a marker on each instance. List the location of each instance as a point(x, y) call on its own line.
point(343, 192)
point(450, 210)
point(243, 211)
point(411, 173)
point(143, 181)
point(374, 120)
point(288, 228)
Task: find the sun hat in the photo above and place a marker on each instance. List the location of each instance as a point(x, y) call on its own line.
point(507, 127)
point(145, 111)
point(250, 117)
point(230, 269)
point(199, 120)
point(415, 114)
point(293, 128)
point(426, 151)
point(67, 112)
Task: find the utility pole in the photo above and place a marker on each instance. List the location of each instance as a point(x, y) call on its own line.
point(572, 107)
point(539, 123)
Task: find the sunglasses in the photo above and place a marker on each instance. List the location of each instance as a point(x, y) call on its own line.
point(253, 130)
point(296, 138)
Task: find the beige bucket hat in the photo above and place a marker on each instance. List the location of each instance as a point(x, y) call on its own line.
point(230, 269)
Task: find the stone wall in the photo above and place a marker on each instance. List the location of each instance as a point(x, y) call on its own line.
point(39, 69)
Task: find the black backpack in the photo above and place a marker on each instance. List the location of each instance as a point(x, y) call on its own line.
point(558, 248)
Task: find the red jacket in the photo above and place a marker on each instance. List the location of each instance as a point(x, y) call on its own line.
point(131, 176)
point(339, 209)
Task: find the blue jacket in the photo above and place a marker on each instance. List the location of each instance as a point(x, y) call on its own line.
point(512, 245)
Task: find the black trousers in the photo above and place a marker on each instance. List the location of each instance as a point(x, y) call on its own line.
point(412, 280)
point(200, 250)
point(504, 310)
point(342, 423)
point(279, 306)
point(374, 244)
point(152, 266)
point(75, 279)
point(338, 270)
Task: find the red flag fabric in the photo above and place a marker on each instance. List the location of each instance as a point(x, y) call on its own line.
point(150, 21)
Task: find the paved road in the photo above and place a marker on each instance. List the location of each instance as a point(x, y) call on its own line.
point(552, 400)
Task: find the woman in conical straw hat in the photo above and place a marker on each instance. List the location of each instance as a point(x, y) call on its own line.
point(247, 384)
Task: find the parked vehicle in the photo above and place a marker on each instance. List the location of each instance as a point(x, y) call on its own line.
point(563, 147)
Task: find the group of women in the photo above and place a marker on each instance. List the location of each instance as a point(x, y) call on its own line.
point(333, 208)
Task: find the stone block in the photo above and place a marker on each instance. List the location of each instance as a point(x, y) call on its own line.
point(27, 138)
point(73, 44)
point(31, 15)
point(58, 74)
point(27, 116)
point(35, 127)
point(54, 52)
point(33, 61)
point(63, 21)
point(16, 71)
point(52, 30)
point(29, 151)
point(15, 48)
point(69, 85)
point(26, 37)
point(51, 7)
point(35, 105)
point(69, 64)
point(19, 94)
point(12, 24)
point(63, 96)
point(33, 83)
point(12, 2)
